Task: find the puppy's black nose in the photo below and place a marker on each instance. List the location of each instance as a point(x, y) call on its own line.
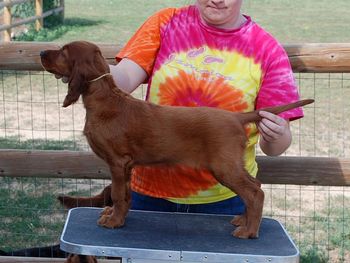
point(42, 53)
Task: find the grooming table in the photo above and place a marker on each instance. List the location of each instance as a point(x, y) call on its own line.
point(174, 237)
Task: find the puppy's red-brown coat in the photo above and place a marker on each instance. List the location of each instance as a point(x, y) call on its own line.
point(125, 132)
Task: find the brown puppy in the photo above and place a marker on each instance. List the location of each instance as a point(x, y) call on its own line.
point(126, 132)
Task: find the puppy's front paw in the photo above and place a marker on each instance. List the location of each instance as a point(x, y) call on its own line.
point(239, 220)
point(110, 221)
point(242, 232)
point(107, 211)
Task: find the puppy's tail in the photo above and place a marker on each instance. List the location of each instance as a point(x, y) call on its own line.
point(254, 116)
point(101, 200)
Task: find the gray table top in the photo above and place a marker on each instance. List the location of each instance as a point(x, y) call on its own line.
point(175, 237)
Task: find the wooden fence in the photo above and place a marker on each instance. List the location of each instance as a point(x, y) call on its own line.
point(8, 23)
point(282, 170)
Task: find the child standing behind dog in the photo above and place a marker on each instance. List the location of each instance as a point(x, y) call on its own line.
point(207, 54)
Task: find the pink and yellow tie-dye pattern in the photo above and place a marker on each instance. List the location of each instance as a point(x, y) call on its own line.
point(192, 64)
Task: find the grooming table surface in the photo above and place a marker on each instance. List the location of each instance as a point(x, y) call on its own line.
point(174, 237)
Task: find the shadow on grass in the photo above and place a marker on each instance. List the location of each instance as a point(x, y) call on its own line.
point(81, 22)
point(56, 31)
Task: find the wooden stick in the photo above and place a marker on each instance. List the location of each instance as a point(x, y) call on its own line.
point(7, 21)
point(39, 23)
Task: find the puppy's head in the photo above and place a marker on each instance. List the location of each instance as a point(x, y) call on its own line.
point(80, 61)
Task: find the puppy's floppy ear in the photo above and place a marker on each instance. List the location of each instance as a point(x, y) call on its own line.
point(76, 85)
point(86, 67)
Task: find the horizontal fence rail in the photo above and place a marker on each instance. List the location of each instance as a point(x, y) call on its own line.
point(313, 58)
point(323, 171)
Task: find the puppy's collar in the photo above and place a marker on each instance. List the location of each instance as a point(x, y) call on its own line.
point(100, 77)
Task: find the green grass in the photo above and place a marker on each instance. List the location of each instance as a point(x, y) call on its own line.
point(308, 21)
point(324, 234)
point(114, 21)
point(56, 31)
point(14, 142)
point(312, 254)
point(35, 217)
point(30, 215)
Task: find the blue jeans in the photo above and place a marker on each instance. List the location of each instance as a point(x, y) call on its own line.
point(231, 206)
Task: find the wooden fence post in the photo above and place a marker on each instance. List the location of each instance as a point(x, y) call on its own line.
point(39, 23)
point(62, 5)
point(7, 21)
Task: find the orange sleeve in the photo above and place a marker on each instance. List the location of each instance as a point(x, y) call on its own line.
point(143, 46)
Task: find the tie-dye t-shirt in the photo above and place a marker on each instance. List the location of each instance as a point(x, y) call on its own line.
point(192, 64)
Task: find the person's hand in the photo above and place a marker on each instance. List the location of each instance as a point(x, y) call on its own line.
point(272, 127)
point(63, 78)
point(275, 134)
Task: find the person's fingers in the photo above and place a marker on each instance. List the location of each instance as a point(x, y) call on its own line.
point(273, 126)
point(266, 132)
point(272, 117)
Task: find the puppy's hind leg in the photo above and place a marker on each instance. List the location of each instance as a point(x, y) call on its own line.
point(237, 180)
point(241, 220)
